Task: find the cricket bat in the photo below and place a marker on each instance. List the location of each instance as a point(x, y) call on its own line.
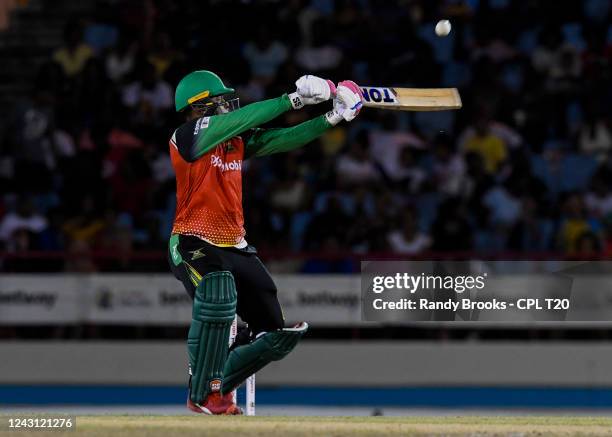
point(411, 99)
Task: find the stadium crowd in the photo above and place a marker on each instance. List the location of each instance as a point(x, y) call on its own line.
point(524, 167)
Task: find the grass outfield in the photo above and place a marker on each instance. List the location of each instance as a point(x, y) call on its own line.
point(153, 426)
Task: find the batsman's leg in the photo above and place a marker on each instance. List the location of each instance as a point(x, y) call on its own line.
point(214, 309)
point(245, 360)
point(258, 306)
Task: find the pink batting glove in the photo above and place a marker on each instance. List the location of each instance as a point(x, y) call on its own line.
point(332, 88)
point(352, 86)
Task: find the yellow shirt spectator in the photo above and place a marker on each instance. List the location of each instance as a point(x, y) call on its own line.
point(73, 61)
point(571, 231)
point(490, 147)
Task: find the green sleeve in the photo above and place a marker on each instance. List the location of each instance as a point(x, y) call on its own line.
point(218, 128)
point(268, 141)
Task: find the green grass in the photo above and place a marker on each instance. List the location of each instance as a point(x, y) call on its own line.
point(154, 426)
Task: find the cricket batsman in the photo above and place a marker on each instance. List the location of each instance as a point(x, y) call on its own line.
point(208, 251)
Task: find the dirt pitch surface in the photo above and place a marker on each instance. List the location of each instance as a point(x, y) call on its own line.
point(168, 426)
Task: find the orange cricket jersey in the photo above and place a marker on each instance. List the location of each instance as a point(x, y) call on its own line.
point(209, 194)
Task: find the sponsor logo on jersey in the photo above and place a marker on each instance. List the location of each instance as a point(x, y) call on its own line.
point(378, 94)
point(202, 123)
point(217, 161)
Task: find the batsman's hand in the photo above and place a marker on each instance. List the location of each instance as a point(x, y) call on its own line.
point(347, 103)
point(311, 90)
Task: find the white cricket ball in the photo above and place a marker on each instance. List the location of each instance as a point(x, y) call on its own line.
point(443, 28)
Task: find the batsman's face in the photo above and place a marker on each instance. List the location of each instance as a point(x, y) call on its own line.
point(220, 105)
point(215, 106)
point(223, 106)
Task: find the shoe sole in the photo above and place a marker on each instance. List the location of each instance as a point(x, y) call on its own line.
point(232, 410)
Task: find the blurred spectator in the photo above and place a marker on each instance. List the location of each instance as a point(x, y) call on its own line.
point(574, 223)
point(93, 86)
point(588, 244)
point(373, 215)
point(101, 32)
point(387, 145)
point(131, 183)
point(328, 228)
point(264, 55)
point(448, 167)
point(501, 210)
point(6, 7)
point(163, 54)
point(595, 137)
point(288, 194)
point(407, 239)
point(546, 55)
point(607, 237)
point(161, 166)
point(30, 140)
point(504, 208)
point(121, 60)
point(79, 258)
point(86, 226)
point(532, 232)
point(409, 173)
point(524, 166)
point(73, 55)
point(599, 199)
point(148, 96)
point(565, 70)
point(557, 62)
point(355, 166)
point(483, 141)
point(321, 56)
point(451, 230)
point(20, 229)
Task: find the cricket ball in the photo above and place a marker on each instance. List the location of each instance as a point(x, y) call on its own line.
point(443, 28)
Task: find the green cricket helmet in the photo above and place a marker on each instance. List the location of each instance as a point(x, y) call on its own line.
point(198, 85)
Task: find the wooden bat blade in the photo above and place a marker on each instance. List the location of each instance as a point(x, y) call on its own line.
point(411, 99)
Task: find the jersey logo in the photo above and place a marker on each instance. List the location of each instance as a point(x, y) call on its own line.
point(176, 256)
point(202, 123)
point(235, 165)
point(196, 254)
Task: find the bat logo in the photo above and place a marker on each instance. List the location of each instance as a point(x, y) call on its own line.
point(378, 94)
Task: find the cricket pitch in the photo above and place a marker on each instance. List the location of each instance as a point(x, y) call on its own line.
point(261, 426)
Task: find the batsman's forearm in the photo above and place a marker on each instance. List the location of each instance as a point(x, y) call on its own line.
point(270, 141)
point(223, 127)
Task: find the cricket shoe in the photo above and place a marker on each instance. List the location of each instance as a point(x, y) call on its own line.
point(215, 404)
